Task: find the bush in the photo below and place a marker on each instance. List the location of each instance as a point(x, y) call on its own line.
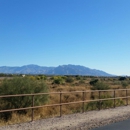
point(69, 80)
point(78, 77)
point(100, 86)
point(92, 82)
point(21, 86)
point(43, 77)
point(124, 84)
point(122, 78)
point(91, 106)
point(58, 80)
point(103, 104)
point(81, 81)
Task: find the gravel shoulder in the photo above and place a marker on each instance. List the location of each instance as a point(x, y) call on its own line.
point(78, 121)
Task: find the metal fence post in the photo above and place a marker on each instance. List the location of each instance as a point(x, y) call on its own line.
point(32, 108)
point(60, 104)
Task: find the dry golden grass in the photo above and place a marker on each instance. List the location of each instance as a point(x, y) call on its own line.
point(76, 85)
point(16, 118)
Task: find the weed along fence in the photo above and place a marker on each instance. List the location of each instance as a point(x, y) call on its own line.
point(102, 99)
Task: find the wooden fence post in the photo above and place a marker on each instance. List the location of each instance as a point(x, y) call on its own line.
point(60, 103)
point(32, 108)
point(99, 100)
point(126, 98)
point(114, 98)
point(83, 103)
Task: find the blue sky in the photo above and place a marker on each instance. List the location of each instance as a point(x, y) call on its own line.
point(92, 33)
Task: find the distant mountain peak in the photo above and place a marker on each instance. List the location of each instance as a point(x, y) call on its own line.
point(60, 70)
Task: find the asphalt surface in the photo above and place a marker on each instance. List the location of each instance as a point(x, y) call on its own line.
point(123, 125)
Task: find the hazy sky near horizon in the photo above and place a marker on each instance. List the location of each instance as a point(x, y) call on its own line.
point(92, 33)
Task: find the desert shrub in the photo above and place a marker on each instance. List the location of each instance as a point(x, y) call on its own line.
point(32, 77)
point(103, 104)
point(38, 77)
point(77, 108)
point(122, 78)
point(92, 82)
point(107, 104)
point(119, 102)
point(64, 77)
point(84, 78)
point(52, 77)
point(81, 81)
point(69, 80)
point(21, 86)
point(43, 77)
point(58, 80)
point(116, 83)
point(78, 77)
point(91, 106)
point(100, 86)
point(124, 84)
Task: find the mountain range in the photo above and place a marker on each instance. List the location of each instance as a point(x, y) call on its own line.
point(60, 70)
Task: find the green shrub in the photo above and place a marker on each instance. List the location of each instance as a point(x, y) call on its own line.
point(81, 81)
point(100, 86)
point(124, 84)
point(21, 86)
point(92, 82)
point(78, 77)
point(38, 77)
point(58, 80)
point(107, 104)
point(43, 77)
point(119, 102)
point(122, 78)
point(103, 104)
point(69, 80)
point(91, 106)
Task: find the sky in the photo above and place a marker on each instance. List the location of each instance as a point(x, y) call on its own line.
point(92, 33)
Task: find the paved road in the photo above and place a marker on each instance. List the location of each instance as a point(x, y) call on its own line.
point(123, 125)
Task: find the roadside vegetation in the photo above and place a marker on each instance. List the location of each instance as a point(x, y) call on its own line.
point(27, 84)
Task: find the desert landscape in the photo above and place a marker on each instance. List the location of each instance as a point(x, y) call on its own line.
point(17, 84)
